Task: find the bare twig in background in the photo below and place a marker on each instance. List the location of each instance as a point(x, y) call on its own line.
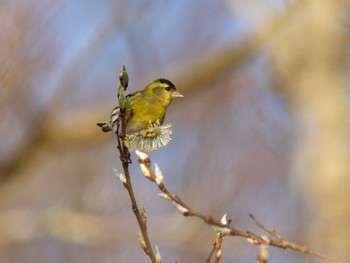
point(255, 239)
point(272, 232)
point(47, 130)
point(74, 226)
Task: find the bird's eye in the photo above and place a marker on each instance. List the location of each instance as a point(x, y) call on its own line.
point(167, 88)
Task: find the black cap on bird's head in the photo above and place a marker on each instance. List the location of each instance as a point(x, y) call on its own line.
point(166, 81)
point(170, 87)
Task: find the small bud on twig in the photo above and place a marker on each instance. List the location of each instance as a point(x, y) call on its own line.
point(266, 239)
point(252, 241)
point(143, 214)
point(263, 254)
point(218, 255)
point(165, 196)
point(158, 174)
point(145, 170)
point(224, 219)
point(222, 230)
point(124, 77)
point(180, 208)
point(121, 97)
point(158, 257)
point(120, 176)
point(141, 240)
point(142, 156)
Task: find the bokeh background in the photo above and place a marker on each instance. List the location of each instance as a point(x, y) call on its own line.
point(263, 127)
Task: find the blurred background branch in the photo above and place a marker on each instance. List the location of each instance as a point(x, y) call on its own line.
point(202, 66)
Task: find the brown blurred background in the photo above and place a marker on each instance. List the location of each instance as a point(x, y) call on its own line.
point(263, 127)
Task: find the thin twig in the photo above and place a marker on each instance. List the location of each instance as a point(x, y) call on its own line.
point(125, 159)
point(211, 253)
point(143, 227)
point(272, 232)
point(255, 239)
point(287, 244)
point(216, 248)
point(218, 241)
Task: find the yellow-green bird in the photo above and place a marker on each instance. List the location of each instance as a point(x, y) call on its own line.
point(148, 105)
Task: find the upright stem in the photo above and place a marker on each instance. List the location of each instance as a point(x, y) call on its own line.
point(143, 227)
point(125, 159)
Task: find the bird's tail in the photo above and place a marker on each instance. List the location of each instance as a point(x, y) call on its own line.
point(104, 126)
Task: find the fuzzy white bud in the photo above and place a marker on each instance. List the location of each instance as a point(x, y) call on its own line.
point(165, 196)
point(221, 230)
point(158, 174)
point(142, 156)
point(158, 257)
point(120, 176)
point(141, 240)
point(224, 219)
point(180, 208)
point(144, 170)
point(143, 214)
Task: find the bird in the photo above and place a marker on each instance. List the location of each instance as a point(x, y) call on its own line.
point(148, 106)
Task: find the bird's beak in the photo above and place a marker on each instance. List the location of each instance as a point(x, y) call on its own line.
point(176, 94)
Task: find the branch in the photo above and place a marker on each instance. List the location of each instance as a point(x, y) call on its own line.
point(143, 238)
point(220, 227)
point(287, 244)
